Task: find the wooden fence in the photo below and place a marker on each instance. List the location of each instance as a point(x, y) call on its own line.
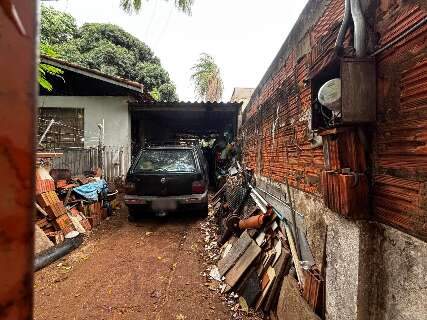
point(115, 161)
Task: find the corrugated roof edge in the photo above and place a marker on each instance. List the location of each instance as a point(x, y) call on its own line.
point(185, 106)
point(193, 103)
point(126, 83)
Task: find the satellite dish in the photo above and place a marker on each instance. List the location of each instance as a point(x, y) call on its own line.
point(330, 95)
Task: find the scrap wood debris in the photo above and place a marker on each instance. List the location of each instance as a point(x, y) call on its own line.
point(249, 250)
point(66, 205)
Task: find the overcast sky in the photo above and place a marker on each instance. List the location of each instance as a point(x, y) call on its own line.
point(242, 35)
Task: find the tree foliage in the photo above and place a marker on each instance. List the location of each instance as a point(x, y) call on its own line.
point(134, 6)
point(206, 78)
point(45, 69)
point(56, 26)
point(110, 49)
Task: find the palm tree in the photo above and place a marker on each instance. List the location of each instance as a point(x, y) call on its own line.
point(207, 79)
point(134, 6)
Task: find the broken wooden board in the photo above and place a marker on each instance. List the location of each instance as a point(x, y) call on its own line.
point(271, 274)
point(278, 249)
point(282, 268)
point(268, 259)
point(260, 238)
point(234, 274)
point(76, 221)
point(291, 304)
point(235, 253)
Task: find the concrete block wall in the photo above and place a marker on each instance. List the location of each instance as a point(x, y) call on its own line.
point(375, 268)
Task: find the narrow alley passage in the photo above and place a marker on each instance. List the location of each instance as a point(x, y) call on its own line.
point(151, 269)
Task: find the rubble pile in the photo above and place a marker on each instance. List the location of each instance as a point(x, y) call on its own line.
point(67, 206)
point(253, 258)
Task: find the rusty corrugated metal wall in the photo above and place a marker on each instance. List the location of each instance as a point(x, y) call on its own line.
point(276, 128)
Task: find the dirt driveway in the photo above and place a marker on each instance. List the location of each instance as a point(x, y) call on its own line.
point(151, 269)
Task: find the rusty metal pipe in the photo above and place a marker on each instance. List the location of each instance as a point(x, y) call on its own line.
point(254, 222)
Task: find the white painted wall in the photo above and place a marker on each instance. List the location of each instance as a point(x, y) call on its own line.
point(114, 111)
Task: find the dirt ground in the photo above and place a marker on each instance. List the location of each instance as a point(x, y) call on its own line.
point(151, 269)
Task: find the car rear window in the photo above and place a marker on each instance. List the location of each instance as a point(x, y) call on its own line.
point(168, 160)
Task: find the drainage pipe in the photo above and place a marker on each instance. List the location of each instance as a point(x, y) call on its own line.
point(57, 252)
point(344, 26)
point(353, 10)
point(360, 33)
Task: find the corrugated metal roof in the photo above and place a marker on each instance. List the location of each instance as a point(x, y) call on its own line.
point(185, 105)
point(128, 84)
point(240, 94)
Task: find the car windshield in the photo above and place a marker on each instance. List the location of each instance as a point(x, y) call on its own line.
point(168, 160)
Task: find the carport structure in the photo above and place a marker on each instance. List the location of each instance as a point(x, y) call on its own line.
point(162, 121)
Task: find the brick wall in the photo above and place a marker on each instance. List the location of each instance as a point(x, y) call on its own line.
point(276, 129)
point(400, 140)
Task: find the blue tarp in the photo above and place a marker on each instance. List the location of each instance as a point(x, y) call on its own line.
point(91, 190)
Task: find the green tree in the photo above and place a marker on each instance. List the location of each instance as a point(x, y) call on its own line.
point(112, 50)
point(134, 6)
point(56, 26)
point(206, 78)
point(167, 92)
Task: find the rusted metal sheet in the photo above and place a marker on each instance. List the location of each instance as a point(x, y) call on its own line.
point(17, 108)
point(358, 78)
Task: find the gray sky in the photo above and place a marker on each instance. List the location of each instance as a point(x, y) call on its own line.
point(242, 35)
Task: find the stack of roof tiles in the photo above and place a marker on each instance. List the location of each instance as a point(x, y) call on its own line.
point(57, 219)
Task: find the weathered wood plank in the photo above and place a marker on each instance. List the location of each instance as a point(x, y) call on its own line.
point(235, 253)
point(234, 274)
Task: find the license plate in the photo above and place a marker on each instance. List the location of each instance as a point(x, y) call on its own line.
point(163, 204)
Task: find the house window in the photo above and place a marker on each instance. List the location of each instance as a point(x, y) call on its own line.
point(67, 130)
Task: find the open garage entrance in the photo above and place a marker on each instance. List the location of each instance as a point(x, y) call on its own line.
point(165, 121)
point(162, 122)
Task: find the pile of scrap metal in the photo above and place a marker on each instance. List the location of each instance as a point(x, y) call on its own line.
point(219, 152)
point(260, 259)
point(67, 208)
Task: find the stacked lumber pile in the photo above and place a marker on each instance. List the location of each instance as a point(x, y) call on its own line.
point(258, 252)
